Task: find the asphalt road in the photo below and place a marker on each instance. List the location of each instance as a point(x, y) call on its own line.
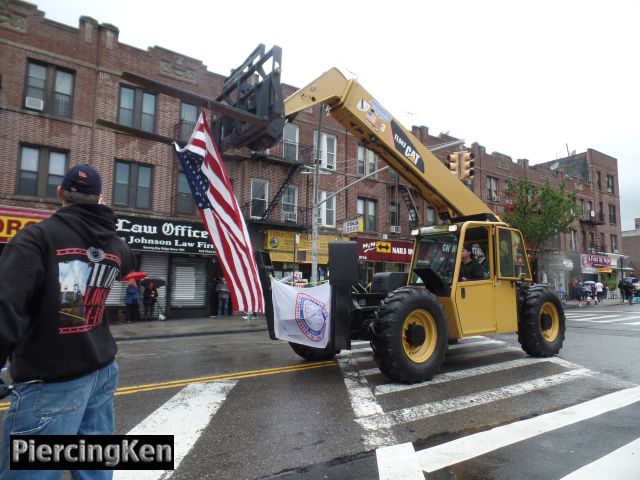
point(244, 407)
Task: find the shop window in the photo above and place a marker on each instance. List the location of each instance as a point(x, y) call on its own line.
point(132, 185)
point(368, 210)
point(40, 171)
point(258, 197)
point(137, 109)
point(49, 89)
point(188, 119)
point(290, 204)
point(184, 200)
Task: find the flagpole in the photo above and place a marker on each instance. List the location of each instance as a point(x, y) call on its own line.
point(315, 209)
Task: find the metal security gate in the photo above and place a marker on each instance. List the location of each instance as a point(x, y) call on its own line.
point(188, 282)
point(156, 265)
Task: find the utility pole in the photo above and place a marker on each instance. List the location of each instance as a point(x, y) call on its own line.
point(316, 210)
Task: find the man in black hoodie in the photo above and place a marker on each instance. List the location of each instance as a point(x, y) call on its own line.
point(55, 277)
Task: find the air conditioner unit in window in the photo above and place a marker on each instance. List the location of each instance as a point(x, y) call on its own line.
point(290, 216)
point(615, 251)
point(508, 201)
point(394, 229)
point(496, 198)
point(34, 103)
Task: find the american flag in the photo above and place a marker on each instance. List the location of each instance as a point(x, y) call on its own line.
point(202, 164)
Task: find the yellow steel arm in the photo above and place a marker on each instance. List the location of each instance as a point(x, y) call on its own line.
point(366, 119)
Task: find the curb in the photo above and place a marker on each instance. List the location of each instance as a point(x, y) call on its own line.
point(188, 334)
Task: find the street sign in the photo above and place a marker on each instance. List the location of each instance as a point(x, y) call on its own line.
point(383, 247)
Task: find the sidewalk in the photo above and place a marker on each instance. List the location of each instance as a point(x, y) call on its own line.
point(187, 327)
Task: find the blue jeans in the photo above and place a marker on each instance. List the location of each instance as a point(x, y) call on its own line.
point(223, 306)
point(83, 406)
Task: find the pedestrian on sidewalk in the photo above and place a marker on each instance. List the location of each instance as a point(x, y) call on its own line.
point(62, 352)
point(249, 313)
point(131, 296)
point(599, 291)
point(149, 299)
point(623, 290)
point(223, 297)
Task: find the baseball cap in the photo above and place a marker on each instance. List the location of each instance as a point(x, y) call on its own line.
point(82, 179)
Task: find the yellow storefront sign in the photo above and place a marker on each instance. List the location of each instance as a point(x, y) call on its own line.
point(282, 246)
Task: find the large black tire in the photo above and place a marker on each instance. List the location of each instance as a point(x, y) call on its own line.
point(313, 354)
point(541, 326)
point(409, 335)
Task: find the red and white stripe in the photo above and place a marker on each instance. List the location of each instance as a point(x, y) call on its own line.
point(226, 225)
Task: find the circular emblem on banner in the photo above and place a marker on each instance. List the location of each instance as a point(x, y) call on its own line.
point(274, 242)
point(95, 254)
point(311, 317)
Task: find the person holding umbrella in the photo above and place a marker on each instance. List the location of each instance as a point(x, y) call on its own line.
point(131, 301)
point(150, 297)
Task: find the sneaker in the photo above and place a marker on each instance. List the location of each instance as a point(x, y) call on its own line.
point(245, 317)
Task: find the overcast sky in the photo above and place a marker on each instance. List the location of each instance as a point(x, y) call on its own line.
point(530, 80)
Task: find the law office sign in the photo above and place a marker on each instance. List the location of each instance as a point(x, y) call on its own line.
point(159, 235)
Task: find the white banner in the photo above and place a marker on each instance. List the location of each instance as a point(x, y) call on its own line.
point(301, 315)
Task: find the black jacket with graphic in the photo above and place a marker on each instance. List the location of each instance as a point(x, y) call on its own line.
point(55, 277)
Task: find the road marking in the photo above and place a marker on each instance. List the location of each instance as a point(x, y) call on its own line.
point(184, 416)
point(398, 462)
point(470, 372)
point(421, 412)
point(471, 446)
point(364, 404)
point(621, 464)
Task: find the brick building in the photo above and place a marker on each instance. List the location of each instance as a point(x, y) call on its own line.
point(63, 90)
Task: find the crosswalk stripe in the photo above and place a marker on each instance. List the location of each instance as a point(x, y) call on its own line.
point(458, 346)
point(398, 462)
point(466, 373)
point(621, 464)
point(185, 416)
point(420, 412)
point(471, 446)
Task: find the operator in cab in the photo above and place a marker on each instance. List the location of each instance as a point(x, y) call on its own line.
point(470, 269)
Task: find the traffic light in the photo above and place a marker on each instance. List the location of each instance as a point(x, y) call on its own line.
point(453, 162)
point(467, 170)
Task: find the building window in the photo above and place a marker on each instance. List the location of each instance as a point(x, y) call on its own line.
point(290, 142)
point(41, 171)
point(327, 209)
point(184, 201)
point(599, 181)
point(612, 215)
point(290, 204)
point(367, 161)
point(611, 185)
point(614, 243)
point(258, 197)
point(431, 216)
point(393, 176)
point(573, 240)
point(188, 119)
point(328, 146)
point(132, 185)
point(137, 109)
point(49, 89)
point(368, 210)
point(603, 244)
point(492, 189)
point(584, 241)
point(582, 214)
point(393, 214)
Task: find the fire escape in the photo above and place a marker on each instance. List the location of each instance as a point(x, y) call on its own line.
point(414, 218)
point(590, 220)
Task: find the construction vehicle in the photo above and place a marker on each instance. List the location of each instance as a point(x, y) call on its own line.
point(410, 319)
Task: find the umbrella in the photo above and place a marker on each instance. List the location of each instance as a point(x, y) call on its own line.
point(134, 276)
point(157, 281)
